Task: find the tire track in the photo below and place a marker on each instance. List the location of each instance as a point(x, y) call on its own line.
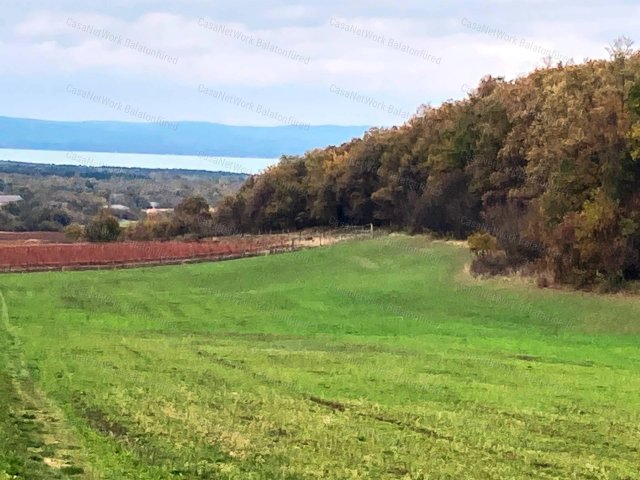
point(54, 443)
point(332, 405)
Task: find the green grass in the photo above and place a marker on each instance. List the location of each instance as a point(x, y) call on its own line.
point(376, 359)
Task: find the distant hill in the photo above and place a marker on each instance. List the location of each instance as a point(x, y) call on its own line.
point(105, 173)
point(179, 138)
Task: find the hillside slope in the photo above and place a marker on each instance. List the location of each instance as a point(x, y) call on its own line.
point(549, 164)
point(372, 359)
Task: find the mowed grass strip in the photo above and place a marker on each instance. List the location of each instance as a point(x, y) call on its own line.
point(375, 359)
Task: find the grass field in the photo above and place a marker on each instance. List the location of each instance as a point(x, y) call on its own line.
point(375, 359)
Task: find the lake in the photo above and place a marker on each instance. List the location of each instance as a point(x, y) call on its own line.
point(141, 160)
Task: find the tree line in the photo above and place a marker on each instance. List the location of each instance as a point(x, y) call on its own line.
point(547, 164)
point(56, 195)
point(192, 219)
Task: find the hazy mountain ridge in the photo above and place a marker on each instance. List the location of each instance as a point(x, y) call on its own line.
point(178, 138)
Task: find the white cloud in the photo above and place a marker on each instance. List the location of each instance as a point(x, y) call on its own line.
point(45, 42)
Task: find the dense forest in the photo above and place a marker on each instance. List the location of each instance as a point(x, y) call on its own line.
point(54, 196)
point(548, 165)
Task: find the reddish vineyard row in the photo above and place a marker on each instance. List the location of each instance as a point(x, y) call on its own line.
point(26, 257)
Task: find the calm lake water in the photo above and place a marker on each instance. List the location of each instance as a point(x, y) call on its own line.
point(100, 159)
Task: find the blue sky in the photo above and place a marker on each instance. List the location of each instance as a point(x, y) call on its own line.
point(349, 62)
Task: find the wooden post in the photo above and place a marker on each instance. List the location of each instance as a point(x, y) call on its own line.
point(372, 230)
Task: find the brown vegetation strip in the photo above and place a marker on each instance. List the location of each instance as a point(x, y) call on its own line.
point(19, 238)
point(329, 403)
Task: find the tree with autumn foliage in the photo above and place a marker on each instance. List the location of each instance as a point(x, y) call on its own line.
point(548, 164)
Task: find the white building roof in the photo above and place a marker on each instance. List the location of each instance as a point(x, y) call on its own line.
point(118, 207)
point(7, 199)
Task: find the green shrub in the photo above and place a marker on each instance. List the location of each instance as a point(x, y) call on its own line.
point(74, 232)
point(104, 227)
point(482, 243)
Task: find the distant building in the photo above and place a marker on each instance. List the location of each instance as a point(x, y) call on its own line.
point(7, 199)
point(118, 208)
point(157, 211)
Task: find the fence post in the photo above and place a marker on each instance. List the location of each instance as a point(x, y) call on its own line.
point(372, 230)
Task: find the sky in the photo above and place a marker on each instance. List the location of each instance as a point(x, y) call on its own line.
point(277, 62)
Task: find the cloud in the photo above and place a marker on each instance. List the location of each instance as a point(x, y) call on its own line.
point(295, 51)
